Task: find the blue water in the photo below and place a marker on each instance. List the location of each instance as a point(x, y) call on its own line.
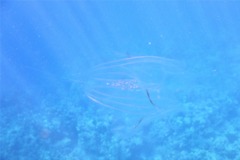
point(69, 77)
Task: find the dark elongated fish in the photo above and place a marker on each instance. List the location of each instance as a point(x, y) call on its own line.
point(149, 98)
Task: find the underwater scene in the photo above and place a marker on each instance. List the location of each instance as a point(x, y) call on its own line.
point(119, 80)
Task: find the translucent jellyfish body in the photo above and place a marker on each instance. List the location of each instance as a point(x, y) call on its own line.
point(138, 85)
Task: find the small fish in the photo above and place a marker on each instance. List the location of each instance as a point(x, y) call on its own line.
point(141, 119)
point(138, 123)
point(149, 98)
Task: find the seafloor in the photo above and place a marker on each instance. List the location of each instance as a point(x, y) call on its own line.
point(74, 128)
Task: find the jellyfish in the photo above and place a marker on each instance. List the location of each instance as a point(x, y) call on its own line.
point(137, 85)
